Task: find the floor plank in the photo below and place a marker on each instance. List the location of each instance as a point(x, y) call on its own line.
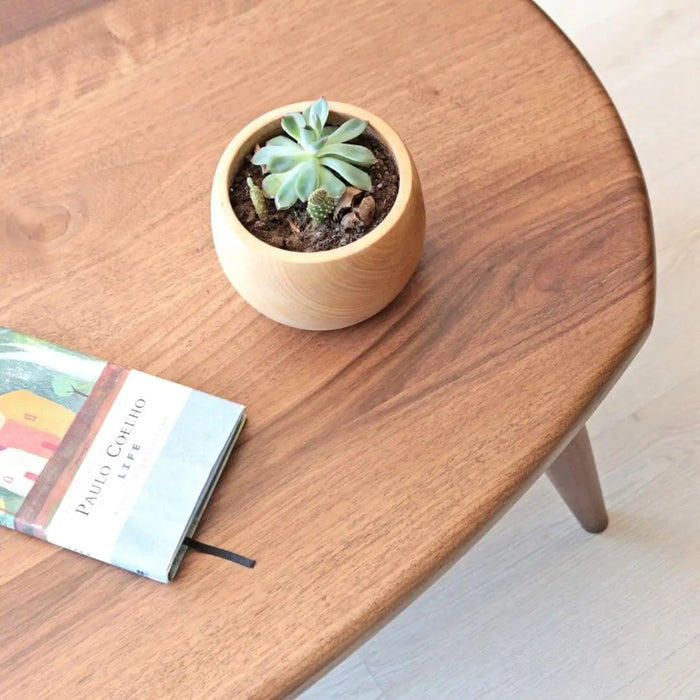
point(349, 680)
point(677, 676)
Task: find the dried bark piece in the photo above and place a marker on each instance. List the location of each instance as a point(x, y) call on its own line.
point(366, 209)
point(350, 221)
point(345, 202)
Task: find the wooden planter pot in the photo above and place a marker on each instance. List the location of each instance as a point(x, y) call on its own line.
point(328, 289)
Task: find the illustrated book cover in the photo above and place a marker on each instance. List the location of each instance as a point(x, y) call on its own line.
point(109, 462)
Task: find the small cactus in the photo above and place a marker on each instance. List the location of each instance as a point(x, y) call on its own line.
point(257, 196)
point(320, 205)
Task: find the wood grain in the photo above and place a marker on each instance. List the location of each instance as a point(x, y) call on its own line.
point(538, 609)
point(373, 455)
point(541, 609)
point(21, 18)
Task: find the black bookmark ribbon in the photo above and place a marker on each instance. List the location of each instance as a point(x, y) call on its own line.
point(218, 552)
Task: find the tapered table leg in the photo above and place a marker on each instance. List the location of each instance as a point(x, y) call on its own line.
point(575, 477)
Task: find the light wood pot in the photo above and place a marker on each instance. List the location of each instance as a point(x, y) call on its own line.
point(328, 289)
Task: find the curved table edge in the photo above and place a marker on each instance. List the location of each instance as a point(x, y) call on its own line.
point(540, 468)
point(645, 189)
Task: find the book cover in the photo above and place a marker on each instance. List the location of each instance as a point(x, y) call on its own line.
point(106, 461)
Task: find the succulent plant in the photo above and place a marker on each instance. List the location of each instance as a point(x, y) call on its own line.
point(312, 156)
point(320, 205)
point(257, 196)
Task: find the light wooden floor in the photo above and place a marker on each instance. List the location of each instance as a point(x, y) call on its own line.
point(540, 609)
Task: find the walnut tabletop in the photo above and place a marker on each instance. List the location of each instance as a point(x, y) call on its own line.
point(374, 455)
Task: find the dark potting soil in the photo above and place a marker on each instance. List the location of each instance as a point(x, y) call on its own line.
point(293, 229)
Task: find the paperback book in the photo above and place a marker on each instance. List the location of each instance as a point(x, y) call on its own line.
point(106, 461)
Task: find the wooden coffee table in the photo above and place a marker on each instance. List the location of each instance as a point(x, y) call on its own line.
point(374, 456)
